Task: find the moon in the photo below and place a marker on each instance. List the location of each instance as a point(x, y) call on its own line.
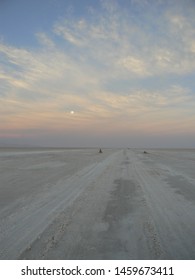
point(72, 112)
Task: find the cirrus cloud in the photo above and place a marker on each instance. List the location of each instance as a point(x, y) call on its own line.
point(80, 55)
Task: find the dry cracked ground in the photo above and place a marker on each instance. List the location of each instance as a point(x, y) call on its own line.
point(79, 204)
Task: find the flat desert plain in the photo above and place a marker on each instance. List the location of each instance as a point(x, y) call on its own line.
point(80, 204)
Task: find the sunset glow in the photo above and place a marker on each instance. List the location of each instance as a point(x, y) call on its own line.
point(110, 72)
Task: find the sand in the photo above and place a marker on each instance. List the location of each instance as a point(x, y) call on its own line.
point(79, 204)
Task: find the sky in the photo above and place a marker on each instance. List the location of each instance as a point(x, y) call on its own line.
point(94, 73)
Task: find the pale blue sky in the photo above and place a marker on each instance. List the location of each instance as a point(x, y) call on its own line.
point(91, 73)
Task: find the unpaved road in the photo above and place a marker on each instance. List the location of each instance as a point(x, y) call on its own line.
point(122, 204)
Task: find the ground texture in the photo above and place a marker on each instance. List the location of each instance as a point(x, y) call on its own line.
point(79, 204)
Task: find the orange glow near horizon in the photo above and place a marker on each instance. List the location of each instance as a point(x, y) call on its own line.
point(102, 76)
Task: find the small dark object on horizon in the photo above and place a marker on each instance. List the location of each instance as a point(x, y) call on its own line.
point(145, 152)
point(100, 151)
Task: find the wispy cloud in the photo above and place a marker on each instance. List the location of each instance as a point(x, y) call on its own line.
point(74, 61)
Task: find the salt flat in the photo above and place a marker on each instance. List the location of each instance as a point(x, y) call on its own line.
point(79, 204)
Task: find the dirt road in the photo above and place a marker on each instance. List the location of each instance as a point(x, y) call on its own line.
point(125, 205)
